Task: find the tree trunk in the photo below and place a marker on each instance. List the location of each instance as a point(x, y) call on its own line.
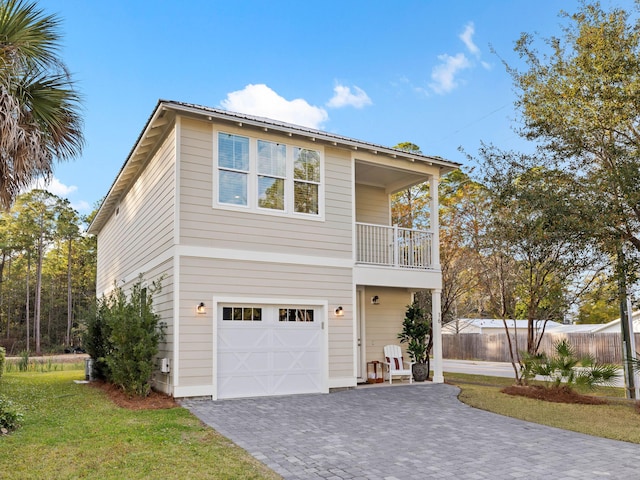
point(69, 298)
point(28, 313)
point(10, 301)
point(36, 333)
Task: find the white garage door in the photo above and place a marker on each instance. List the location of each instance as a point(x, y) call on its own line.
point(269, 350)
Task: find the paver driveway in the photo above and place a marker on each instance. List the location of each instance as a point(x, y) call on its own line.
point(418, 431)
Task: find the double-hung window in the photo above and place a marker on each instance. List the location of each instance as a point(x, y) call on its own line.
point(233, 165)
point(272, 174)
point(306, 175)
point(268, 176)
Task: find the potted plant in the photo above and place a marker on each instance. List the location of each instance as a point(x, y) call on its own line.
point(417, 333)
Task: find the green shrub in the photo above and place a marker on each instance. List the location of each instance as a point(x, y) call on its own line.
point(565, 367)
point(23, 363)
point(123, 338)
point(96, 338)
point(10, 417)
point(2, 360)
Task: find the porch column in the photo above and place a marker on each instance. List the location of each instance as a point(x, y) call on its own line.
point(434, 222)
point(438, 377)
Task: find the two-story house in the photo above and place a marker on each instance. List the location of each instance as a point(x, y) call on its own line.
point(281, 271)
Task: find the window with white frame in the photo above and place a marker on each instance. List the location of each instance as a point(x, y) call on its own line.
point(272, 174)
point(233, 169)
point(306, 174)
point(268, 176)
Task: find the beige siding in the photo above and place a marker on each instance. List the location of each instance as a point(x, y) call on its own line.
point(383, 322)
point(203, 225)
point(372, 205)
point(163, 306)
point(141, 229)
point(201, 279)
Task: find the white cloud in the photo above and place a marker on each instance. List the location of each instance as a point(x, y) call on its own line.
point(467, 39)
point(343, 97)
point(81, 206)
point(260, 100)
point(444, 74)
point(54, 186)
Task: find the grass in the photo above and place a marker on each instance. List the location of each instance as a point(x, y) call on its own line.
point(74, 431)
point(618, 420)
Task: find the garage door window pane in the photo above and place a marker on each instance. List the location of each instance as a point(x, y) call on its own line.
point(252, 314)
point(249, 314)
point(295, 315)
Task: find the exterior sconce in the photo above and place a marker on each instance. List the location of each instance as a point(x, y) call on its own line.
point(339, 312)
point(375, 300)
point(201, 309)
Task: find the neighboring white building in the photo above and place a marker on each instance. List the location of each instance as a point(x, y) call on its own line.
point(281, 270)
point(614, 326)
point(492, 325)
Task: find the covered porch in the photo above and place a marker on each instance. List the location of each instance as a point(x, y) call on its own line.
point(380, 311)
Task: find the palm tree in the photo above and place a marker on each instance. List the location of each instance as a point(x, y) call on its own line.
point(39, 107)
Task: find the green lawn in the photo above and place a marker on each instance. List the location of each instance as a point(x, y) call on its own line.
point(619, 420)
point(74, 431)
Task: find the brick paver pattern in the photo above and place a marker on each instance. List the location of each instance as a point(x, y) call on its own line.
point(419, 431)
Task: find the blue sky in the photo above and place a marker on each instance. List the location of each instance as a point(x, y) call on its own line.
point(379, 71)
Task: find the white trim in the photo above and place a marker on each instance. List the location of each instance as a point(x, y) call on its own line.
point(383, 276)
point(438, 376)
point(434, 222)
point(256, 256)
point(342, 382)
point(175, 370)
point(174, 375)
point(194, 391)
point(176, 180)
point(252, 178)
point(359, 318)
point(324, 304)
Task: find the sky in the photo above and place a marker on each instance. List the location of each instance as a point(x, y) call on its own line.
point(429, 72)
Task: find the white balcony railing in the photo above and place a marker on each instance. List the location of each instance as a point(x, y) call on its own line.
point(393, 246)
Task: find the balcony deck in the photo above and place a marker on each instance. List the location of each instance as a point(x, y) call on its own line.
point(392, 246)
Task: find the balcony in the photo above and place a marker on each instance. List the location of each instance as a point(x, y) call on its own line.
point(394, 247)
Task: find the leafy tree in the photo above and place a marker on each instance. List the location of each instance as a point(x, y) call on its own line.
point(68, 230)
point(598, 304)
point(37, 214)
point(40, 119)
point(539, 222)
point(463, 203)
point(410, 207)
point(581, 103)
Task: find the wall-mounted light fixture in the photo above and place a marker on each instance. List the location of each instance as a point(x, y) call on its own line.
point(201, 309)
point(339, 312)
point(375, 300)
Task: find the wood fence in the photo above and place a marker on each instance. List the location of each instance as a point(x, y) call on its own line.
point(605, 347)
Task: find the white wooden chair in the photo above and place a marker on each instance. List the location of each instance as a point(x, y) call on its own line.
point(396, 365)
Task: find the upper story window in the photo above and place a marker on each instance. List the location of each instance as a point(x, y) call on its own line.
point(272, 174)
point(268, 176)
point(306, 174)
point(233, 164)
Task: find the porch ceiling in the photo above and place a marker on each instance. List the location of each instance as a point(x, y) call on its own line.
point(391, 179)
